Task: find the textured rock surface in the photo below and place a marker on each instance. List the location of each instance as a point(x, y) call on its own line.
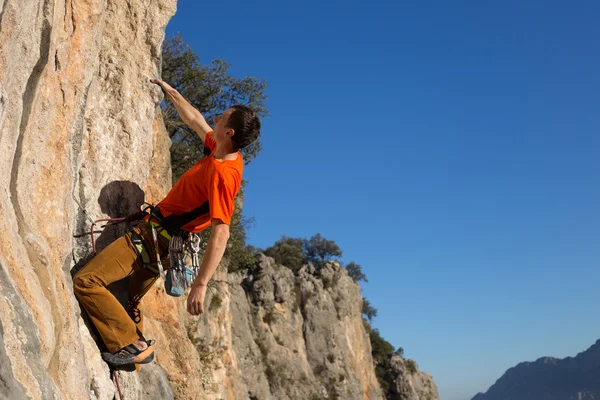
point(77, 116)
point(301, 337)
point(82, 139)
point(407, 385)
point(571, 378)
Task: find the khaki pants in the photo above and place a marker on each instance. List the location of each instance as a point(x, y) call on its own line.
point(117, 326)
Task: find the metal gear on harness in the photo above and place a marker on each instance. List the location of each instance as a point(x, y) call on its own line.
point(179, 276)
point(195, 250)
point(161, 271)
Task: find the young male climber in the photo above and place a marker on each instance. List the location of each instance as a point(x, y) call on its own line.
point(202, 197)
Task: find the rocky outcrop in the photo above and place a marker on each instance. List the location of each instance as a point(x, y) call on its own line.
point(271, 334)
point(571, 378)
point(82, 139)
point(408, 383)
point(301, 336)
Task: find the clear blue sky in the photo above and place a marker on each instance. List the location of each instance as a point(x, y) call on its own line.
point(450, 148)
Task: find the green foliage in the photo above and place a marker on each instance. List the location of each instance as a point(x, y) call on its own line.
point(411, 365)
point(355, 272)
point(384, 378)
point(215, 303)
point(293, 253)
point(368, 310)
point(288, 252)
point(238, 253)
point(381, 350)
point(318, 250)
point(399, 351)
point(210, 89)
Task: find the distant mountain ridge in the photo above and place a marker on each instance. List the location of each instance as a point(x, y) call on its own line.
point(549, 378)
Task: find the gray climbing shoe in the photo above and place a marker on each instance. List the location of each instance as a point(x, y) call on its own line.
point(130, 355)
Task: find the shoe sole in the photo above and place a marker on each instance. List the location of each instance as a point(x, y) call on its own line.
point(145, 356)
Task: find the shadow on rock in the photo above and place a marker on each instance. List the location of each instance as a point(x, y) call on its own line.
point(117, 199)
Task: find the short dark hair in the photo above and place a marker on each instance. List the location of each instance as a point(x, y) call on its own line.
point(245, 124)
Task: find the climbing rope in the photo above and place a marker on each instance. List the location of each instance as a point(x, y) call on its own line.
point(118, 385)
point(115, 221)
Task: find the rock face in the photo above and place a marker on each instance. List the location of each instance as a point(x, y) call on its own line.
point(409, 385)
point(82, 138)
point(301, 337)
point(548, 378)
point(78, 127)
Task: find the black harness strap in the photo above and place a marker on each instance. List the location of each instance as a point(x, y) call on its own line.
point(174, 223)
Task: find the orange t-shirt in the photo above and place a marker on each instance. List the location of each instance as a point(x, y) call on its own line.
point(204, 193)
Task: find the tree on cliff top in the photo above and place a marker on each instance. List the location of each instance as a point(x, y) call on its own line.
point(293, 253)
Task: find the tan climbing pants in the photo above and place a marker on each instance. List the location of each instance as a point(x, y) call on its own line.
point(118, 326)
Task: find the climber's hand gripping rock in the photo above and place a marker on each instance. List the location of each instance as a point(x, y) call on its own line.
point(195, 300)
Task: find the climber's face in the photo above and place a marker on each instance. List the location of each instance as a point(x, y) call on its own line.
point(222, 132)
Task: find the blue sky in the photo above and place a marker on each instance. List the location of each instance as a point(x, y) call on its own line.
point(450, 148)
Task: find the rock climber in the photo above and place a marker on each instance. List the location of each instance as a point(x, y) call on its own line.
point(202, 197)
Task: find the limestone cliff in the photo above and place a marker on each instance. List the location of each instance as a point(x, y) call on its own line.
point(81, 138)
point(77, 114)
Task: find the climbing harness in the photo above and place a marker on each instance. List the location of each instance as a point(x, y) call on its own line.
point(179, 276)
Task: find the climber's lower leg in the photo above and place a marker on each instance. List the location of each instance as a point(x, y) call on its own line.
point(139, 283)
point(117, 261)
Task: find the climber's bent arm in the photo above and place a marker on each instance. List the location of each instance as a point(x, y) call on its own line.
point(213, 254)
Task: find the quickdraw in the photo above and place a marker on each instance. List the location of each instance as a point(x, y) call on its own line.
point(180, 276)
point(135, 217)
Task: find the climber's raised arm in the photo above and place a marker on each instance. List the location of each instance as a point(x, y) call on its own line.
point(191, 116)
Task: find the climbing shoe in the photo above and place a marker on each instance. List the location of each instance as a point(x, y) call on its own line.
point(130, 355)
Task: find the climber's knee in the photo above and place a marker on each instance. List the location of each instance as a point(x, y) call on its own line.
point(83, 283)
